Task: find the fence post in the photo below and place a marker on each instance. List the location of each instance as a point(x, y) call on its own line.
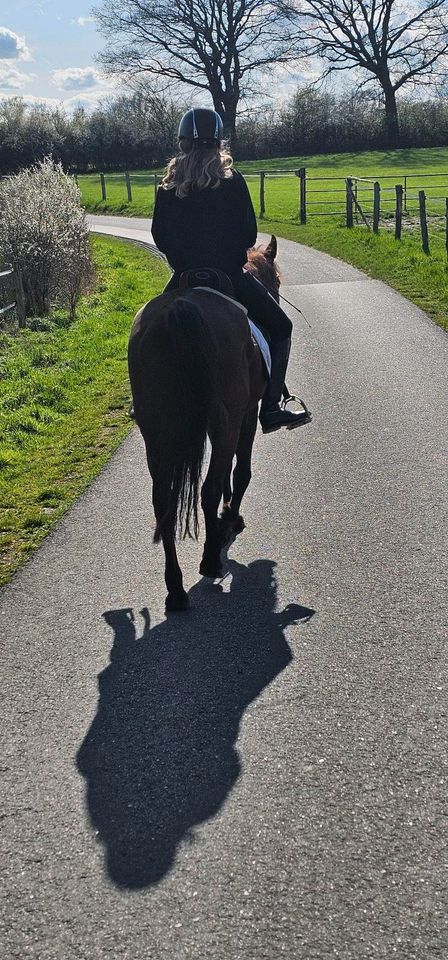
point(423, 220)
point(406, 193)
point(103, 186)
point(302, 176)
point(128, 186)
point(156, 184)
point(349, 201)
point(446, 225)
point(262, 202)
point(398, 210)
point(20, 299)
point(376, 206)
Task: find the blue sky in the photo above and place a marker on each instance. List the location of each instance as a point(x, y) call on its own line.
point(47, 52)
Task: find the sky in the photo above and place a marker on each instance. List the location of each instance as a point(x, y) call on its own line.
point(47, 52)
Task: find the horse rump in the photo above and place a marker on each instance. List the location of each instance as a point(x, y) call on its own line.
point(174, 394)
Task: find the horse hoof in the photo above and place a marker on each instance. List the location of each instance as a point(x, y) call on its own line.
point(177, 601)
point(212, 570)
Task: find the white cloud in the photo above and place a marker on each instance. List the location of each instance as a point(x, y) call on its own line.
point(76, 78)
point(13, 79)
point(69, 104)
point(82, 21)
point(13, 47)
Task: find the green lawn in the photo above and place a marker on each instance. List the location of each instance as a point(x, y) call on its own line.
point(324, 195)
point(64, 398)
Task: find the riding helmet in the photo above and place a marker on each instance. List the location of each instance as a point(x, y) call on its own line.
point(201, 126)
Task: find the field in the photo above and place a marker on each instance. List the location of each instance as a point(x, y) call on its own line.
point(65, 394)
point(326, 186)
point(423, 279)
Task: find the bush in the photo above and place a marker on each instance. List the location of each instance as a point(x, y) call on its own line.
point(44, 235)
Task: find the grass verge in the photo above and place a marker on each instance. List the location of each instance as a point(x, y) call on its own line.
point(64, 398)
point(400, 263)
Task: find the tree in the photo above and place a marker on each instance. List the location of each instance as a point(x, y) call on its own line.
point(212, 46)
point(392, 42)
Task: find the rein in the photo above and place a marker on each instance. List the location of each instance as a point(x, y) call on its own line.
point(296, 308)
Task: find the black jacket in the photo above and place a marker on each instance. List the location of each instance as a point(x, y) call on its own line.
point(209, 228)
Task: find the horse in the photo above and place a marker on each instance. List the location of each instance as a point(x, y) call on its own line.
point(196, 372)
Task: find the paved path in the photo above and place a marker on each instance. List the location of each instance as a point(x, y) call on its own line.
point(266, 776)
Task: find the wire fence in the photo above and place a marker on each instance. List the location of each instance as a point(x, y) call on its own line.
point(394, 202)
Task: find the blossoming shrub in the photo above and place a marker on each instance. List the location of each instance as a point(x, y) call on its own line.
point(44, 235)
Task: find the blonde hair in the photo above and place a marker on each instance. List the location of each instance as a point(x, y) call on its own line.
point(198, 168)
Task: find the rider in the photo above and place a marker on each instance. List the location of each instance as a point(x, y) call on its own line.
point(203, 217)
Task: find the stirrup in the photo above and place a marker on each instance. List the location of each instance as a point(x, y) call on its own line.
point(292, 399)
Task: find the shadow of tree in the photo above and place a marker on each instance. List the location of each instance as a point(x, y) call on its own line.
point(160, 754)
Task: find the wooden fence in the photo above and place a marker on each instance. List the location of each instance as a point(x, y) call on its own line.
point(390, 201)
point(9, 278)
point(373, 201)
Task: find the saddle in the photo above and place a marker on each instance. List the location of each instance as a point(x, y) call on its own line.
point(220, 283)
point(207, 277)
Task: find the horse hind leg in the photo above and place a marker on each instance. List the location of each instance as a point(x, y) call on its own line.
point(214, 487)
point(232, 523)
point(227, 491)
point(177, 598)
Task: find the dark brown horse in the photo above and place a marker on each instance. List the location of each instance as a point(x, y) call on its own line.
point(195, 371)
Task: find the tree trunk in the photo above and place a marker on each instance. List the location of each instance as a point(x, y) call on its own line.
point(392, 122)
point(229, 121)
point(227, 112)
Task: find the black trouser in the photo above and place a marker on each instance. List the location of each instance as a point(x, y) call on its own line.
point(261, 306)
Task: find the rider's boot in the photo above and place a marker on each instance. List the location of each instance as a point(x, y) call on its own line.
point(272, 416)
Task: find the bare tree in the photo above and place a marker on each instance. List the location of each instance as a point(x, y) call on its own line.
point(208, 45)
point(392, 42)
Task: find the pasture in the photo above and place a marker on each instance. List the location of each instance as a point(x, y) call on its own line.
point(65, 396)
point(326, 187)
point(421, 278)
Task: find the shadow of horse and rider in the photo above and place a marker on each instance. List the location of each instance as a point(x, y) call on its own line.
point(160, 757)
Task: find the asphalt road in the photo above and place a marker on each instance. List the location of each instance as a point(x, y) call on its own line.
point(265, 776)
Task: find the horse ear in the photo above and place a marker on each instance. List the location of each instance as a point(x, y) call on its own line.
point(271, 249)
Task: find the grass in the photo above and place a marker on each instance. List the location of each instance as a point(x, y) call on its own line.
point(422, 279)
point(400, 263)
point(282, 191)
point(64, 399)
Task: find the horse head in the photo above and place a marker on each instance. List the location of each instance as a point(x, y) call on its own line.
point(261, 261)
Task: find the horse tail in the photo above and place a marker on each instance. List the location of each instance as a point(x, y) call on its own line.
point(186, 445)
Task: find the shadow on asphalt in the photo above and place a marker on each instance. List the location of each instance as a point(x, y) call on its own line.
point(160, 755)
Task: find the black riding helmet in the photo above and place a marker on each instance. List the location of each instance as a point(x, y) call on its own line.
point(201, 127)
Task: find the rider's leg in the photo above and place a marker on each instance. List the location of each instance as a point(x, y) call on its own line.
point(263, 309)
point(261, 306)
